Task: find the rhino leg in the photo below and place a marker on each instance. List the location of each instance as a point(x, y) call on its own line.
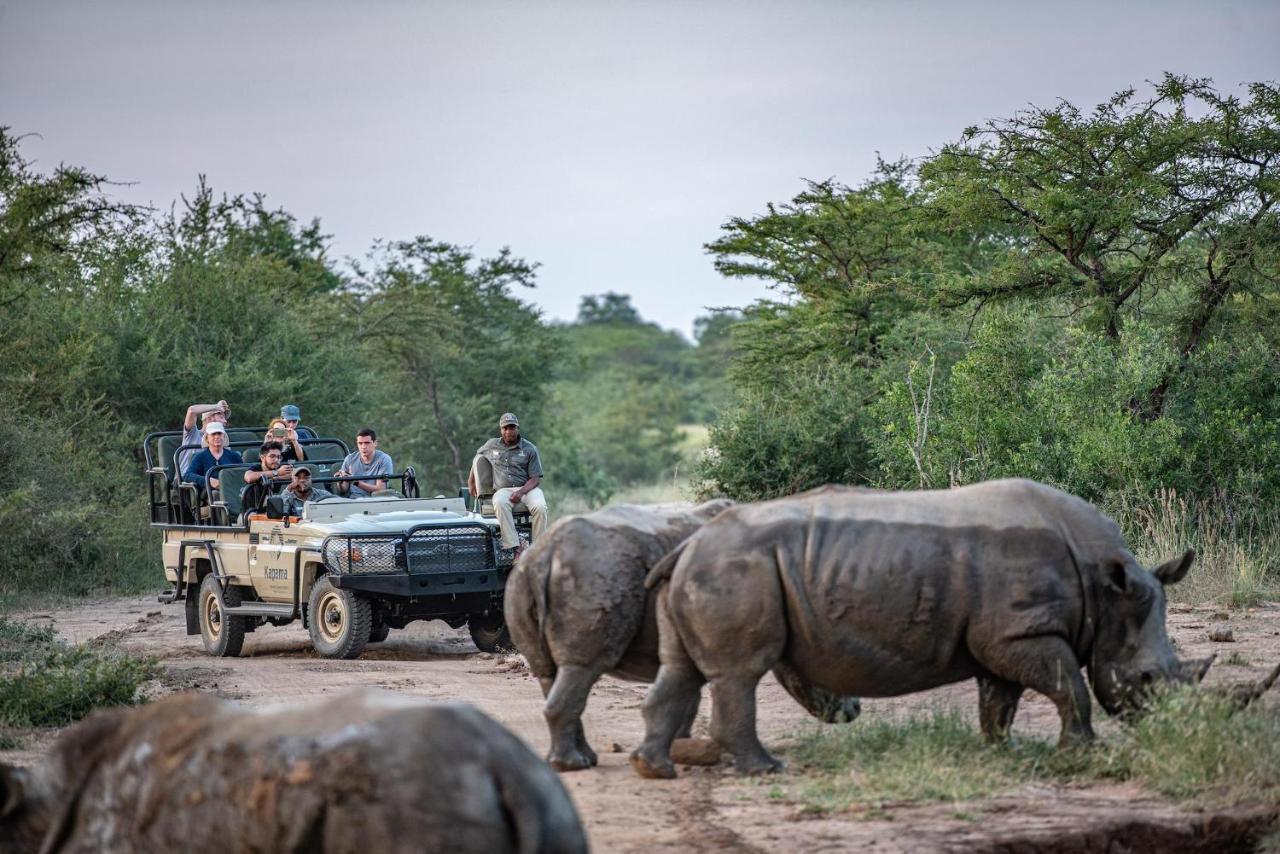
point(1048, 665)
point(666, 711)
point(566, 700)
point(733, 723)
point(819, 702)
point(690, 716)
point(997, 704)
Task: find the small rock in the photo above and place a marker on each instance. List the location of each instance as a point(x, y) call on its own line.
point(695, 751)
point(1219, 615)
point(616, 748)
point(1222, 636)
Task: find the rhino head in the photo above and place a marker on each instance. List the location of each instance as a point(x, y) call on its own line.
point(1131, 649)
point(25, 815)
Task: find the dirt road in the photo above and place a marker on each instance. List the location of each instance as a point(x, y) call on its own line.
point(706, 809)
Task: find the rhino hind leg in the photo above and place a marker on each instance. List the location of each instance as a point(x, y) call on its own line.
point(566, 701)
point(997, 705)
point(1047, 665)
point(733, 723)
point(666, 710)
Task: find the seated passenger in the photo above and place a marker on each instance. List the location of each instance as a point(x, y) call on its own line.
point(280, 431)
point(367, 463)
point(300, 491)
point(263, 474)
point(193, 435)
point(217, 454)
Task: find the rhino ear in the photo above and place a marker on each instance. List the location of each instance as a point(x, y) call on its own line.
point(12, 789)
point(1173, 571)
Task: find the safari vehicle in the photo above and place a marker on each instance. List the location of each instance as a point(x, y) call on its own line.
point(351, 569)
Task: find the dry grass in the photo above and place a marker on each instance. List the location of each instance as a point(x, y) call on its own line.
point(1238, 555)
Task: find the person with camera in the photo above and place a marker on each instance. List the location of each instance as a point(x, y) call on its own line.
point(280, 431)
point(263, 475)
point(193, 435)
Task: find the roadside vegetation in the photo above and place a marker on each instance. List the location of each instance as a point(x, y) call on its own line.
point(1190, 746)
point(45, 682)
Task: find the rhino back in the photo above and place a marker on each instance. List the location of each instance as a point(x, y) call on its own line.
point(888, 593)
point(360, 773)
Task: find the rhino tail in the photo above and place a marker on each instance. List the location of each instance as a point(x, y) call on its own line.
point(661, 572)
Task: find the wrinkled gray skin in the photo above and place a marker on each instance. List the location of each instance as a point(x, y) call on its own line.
point(879, 594)
point(576, 607)
point(366, 772)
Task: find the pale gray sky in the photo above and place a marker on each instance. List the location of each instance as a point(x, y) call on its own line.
point(606, 140)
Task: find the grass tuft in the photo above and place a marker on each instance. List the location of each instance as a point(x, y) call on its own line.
point(47, 683)
point(1190, 745)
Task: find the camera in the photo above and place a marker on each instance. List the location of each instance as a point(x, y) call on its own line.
point(278, 431)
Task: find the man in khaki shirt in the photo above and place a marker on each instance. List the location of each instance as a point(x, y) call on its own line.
point(517, 472)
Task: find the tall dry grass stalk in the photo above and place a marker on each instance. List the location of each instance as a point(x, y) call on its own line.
point(1237, 553)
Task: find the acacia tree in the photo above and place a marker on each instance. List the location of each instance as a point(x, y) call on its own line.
point(1164, 204)
point(448, 327)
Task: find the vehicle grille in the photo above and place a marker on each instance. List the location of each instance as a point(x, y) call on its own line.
point(427, 550)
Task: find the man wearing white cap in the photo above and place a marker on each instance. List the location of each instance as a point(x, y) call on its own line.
point(517, 471)
point(217, 454)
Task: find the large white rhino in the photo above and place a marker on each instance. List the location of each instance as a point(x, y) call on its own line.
point(576, 608)
point(878, 594)
point(361, 773)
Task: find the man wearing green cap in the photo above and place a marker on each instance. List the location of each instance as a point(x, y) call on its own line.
point(517, 471)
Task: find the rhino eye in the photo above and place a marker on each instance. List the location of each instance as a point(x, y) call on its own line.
point(1147, 677)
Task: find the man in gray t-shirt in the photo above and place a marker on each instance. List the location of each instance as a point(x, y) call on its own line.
point(367, 463)
point(193, 435)
point(517, 471)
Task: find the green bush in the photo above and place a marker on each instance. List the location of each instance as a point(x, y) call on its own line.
point(47, 683)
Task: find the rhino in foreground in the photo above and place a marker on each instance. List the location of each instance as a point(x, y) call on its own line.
point(360, 773)
point(577, 608)
point(878, 594)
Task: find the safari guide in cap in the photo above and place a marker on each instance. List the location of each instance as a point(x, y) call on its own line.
point(517, 471)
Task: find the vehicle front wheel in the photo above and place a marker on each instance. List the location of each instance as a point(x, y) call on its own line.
point(490, 633)
point(339, 621)
point(222, 633)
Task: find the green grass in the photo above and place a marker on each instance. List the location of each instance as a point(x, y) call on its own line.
point(1189, 746)
point(44, 682)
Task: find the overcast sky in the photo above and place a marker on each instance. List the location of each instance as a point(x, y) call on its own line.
point(606, 140)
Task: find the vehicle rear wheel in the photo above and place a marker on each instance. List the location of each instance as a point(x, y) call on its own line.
point(379, 631)
point(339, 621)
point(490, 633)
point(222, 633)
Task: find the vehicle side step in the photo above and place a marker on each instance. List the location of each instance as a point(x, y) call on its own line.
point(260, 609)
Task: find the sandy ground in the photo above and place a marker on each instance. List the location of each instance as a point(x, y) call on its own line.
point(705, 808)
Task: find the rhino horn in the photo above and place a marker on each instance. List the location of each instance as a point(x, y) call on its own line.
point(1242, 695)
point(1193, 670)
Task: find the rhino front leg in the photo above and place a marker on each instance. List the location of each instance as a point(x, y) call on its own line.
point(997, 704)
point(822, 704)
point(1048, 665)
point(566, 701)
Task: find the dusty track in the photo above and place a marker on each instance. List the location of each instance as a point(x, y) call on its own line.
point(706, 809)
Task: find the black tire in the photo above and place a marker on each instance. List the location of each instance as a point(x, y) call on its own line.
point(339, 621)
point(489, 633)
point(223, 635)
point(379, 632)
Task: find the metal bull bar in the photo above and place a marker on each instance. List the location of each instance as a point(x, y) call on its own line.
point(461, 546)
